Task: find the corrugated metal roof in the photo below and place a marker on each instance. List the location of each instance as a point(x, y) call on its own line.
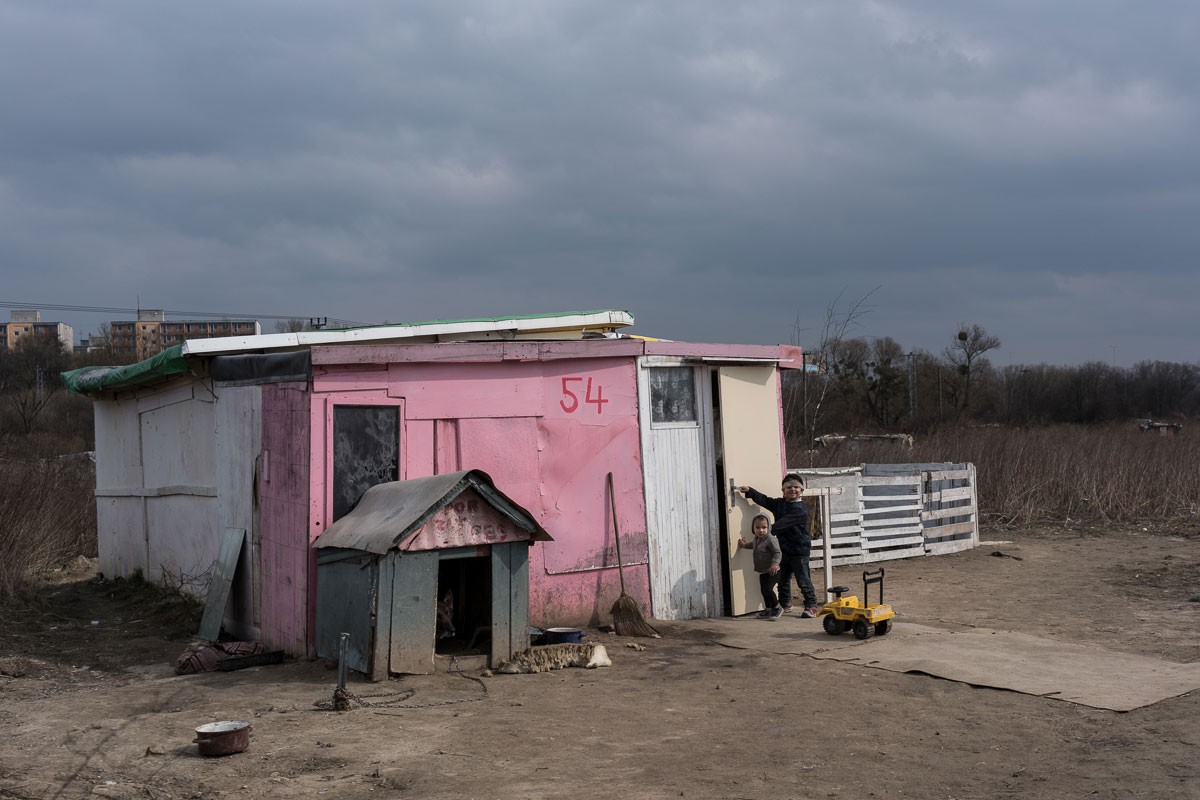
point(389, 512)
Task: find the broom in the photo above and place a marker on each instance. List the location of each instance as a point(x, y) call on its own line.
point(627, 616)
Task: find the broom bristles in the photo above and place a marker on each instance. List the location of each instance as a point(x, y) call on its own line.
point(628, 620)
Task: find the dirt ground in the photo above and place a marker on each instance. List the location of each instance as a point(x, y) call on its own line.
point(90, 707)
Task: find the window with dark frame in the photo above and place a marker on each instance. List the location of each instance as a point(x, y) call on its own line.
point(673, 395)
point(366, 451)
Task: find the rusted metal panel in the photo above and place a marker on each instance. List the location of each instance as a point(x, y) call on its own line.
point(222, 582)
point(381, 629)
point(345, 604)
point(414, 612)
point(510, 600)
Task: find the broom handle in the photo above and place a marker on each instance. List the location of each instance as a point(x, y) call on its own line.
point(612, 499)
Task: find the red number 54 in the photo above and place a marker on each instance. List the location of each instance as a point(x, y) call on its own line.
point(570, 401)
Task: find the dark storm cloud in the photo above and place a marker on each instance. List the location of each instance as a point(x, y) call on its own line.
point(725, 171)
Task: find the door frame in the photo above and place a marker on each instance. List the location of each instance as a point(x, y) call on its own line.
point(702, 378)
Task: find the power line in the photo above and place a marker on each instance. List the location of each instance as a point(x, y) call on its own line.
point(212, 314)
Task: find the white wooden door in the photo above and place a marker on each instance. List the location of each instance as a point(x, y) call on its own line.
point(750, 429)
point(675, 411)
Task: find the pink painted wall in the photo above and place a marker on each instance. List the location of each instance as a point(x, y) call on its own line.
point(545, 423)
point(283, 487)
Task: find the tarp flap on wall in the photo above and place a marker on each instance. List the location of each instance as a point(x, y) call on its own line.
point(94, 380)
point(247, 370)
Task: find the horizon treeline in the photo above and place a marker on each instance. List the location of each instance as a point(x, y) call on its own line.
point(853, 386)
point(874, 386)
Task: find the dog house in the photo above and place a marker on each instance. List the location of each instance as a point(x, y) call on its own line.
point(423, 568)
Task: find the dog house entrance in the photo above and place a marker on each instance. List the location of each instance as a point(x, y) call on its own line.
point(464, 605)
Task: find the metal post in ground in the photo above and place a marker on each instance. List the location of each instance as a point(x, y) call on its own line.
point(342, 645)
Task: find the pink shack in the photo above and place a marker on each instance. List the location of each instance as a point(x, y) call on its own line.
point(279, 435)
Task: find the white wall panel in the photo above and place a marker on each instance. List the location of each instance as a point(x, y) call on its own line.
point(184, 539)
point(121, 535)
point(118, 444)
point(179, 445)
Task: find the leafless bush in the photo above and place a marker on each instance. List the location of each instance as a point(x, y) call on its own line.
point(1114, 473)
point(47, 518)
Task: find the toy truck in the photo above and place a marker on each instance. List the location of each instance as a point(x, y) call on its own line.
point(866, 618)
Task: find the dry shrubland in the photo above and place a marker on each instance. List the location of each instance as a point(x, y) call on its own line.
point(1112, 472)
point(47, 518)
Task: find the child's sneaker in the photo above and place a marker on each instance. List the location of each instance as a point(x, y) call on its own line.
point(811, 612)
point(786, 609)
point(776, 613)
point(765, 614)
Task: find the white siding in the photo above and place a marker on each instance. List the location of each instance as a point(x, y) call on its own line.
point(685, 580)
point(157, 507)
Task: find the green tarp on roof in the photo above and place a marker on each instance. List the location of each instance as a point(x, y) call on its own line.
point(95, 380)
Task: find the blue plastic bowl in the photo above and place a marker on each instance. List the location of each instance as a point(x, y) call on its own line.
point(563, 635)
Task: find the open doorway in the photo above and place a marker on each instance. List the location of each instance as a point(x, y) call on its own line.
point(721, 490)
point(464, 605)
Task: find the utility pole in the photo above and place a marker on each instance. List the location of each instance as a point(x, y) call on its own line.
point(939, 392)
point(804, 392)
point(912, 386)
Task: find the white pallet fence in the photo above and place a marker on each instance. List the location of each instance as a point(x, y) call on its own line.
point(879, 512)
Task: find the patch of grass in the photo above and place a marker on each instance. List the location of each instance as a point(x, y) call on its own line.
point(47, 518)
point(166, 604)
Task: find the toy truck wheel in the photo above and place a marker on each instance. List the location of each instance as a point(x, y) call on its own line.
point(863, 629)
point(882, 627)
point(833, 626)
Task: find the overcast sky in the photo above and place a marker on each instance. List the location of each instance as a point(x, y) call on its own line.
point(724, 171)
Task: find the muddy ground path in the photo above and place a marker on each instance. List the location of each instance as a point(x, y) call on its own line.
point(90, 707)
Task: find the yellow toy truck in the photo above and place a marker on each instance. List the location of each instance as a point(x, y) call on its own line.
point(865, 619)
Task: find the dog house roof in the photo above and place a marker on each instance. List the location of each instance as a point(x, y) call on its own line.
point(391, 512)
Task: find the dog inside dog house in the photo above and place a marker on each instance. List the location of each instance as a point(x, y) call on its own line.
point(423, 571)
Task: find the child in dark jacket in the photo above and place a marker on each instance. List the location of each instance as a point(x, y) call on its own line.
point(766, 563)
point(791, 529)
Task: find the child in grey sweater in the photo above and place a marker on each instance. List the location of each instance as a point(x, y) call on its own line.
point(767, 556)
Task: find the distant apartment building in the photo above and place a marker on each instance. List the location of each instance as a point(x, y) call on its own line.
point(152, 333)
point(27, 324)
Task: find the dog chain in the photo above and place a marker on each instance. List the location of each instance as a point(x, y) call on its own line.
point(396, 698)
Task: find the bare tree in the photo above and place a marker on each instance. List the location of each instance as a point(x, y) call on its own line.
point(30, 377)
point(886, 382)
point(970, 343)
point(803, 406)
point(293, 325)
